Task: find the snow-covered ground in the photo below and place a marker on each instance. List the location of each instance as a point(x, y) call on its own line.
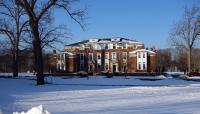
point(100, 95)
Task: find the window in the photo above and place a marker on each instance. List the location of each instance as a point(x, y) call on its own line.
point(61, 57)
point(124, 45)
point(114, 55)
point(58, 56)
point(124, 55)
point(139, 66)
point(98, 56)
point(62, 66)
point(107, 56)
point(144, 67)
point(114, 46)
point(106, 66)
point(91, 68)
point(125, 69)
point(65, 56)
point(117, 55)
point(102, 46)
point(99, 66)
point(139, 55)
point(81, 56)
point(58, 67)
point(106, 46)
point(81, 66)
point(91, 56)
point(143, 55)
point(120, 44)
point(98, 47)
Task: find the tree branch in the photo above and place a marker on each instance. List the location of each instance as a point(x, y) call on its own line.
point(46, 8)
point(72, 14)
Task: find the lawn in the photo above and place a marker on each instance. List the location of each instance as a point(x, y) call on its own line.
point(100, 95)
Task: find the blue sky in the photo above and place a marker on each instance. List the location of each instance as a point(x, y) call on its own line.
point(148, 21)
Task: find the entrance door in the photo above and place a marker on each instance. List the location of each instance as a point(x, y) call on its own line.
point(114, 68)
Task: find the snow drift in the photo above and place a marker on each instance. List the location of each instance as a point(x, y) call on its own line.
point(35, 110)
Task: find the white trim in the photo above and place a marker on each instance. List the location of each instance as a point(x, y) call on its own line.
point(115, 46)
point(112, 57)
point(98, 60)
point(69, 53)
point(92, 55)
point(142, 50)
point(116, 64)
point(142, 60)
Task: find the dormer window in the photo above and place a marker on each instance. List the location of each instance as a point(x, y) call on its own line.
point(93, 40)
point(115, 39)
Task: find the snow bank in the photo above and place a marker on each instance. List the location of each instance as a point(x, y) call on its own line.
point(19, 74)
point(185, 77)
point(160, 77)
point(174, 72)
point(35, 110)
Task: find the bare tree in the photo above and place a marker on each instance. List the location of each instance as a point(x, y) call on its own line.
point(37, 11)
point(12, 25)
point(195, 63)
point(185, 33)
point(164, 61)
point(50, 35)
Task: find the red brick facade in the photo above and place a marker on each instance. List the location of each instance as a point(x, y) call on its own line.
point(118, 56)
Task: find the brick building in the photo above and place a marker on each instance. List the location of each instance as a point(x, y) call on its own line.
point(106, 55)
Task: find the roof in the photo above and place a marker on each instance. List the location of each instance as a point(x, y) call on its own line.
point(142, 50)
point(74, 44)
point(103, 40)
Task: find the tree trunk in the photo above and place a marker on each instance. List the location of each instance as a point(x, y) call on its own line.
point(37, 49)
point(15, 62)
point(38, 62)
point(189, 59)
